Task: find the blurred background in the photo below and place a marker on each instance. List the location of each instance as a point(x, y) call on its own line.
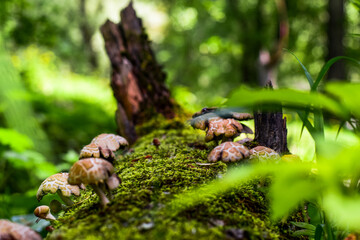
point(54, 72)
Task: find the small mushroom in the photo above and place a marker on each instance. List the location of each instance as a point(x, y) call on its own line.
point(15, 231)
point(95, 172)
point(156, 142)
point(109, 143)
point(43, 212)
point(229, 152)
point(263, 154)
point(58, 183)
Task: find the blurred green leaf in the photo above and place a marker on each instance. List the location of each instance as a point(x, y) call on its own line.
point(347, 94)
point(290, 187)
point(287, 98)
point(303, 232)
point(15, 140)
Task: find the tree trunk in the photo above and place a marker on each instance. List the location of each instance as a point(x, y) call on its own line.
point(270, 128)
point(138, 81)
point(335, 33)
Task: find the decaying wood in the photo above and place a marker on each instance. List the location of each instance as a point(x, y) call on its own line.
point(137, 80)
point(270, 128)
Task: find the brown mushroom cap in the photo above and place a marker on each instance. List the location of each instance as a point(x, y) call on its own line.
point(110, 141)
point(10, 230)
point(90, 150)
point(263, 154)
point(229, 152)
point(229, 128)
point(43, 212)
point(90, 171)
point(57, 182)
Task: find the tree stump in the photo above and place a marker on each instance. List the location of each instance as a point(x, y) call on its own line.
point(137, 80)
point(270, 127)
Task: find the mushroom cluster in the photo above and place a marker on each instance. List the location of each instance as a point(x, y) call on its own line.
point(220, 124)
point(15, 231)
point(94, 168)
point(234, 151)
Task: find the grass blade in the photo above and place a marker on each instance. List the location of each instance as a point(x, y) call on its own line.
point(326, 67)
point(308, 76)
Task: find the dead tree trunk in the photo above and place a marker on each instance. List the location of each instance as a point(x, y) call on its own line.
point(270, 128)
point(138, 81)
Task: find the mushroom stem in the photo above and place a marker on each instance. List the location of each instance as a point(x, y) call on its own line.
point(65, 199)
point(103, 199)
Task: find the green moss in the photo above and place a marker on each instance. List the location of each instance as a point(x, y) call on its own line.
point(150, 178)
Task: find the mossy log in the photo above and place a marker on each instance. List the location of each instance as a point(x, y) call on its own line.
point(154, 175)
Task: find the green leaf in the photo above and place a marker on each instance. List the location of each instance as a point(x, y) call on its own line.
point(286, 97)
point(319, 232)
point(303, 232)
point(326, 67)
point(308, 76)
point(291, 186)
point(314, 214)
point(304, 225)
point(347, 94)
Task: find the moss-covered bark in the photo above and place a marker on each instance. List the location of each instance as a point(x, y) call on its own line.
point(151, 177)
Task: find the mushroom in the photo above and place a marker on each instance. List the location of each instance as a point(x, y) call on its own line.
point(220, 126)
point(43, 212)
point(58, 183)
point(229, 152)
point(96, 172)
point(263, 154)
point(225, 129)
point(15, 231)
point(109, 143)
point(90, 150)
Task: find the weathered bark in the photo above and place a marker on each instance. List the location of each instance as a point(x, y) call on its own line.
point(138, 81)
point(270, 128)
point(335, 33)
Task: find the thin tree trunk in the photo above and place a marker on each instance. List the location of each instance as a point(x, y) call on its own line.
point(87, 33)
point(138, 81)
point(335, 33)
point(270, 128)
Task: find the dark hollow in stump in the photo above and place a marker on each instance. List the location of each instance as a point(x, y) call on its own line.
point(137, 80)
point(270, 128)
